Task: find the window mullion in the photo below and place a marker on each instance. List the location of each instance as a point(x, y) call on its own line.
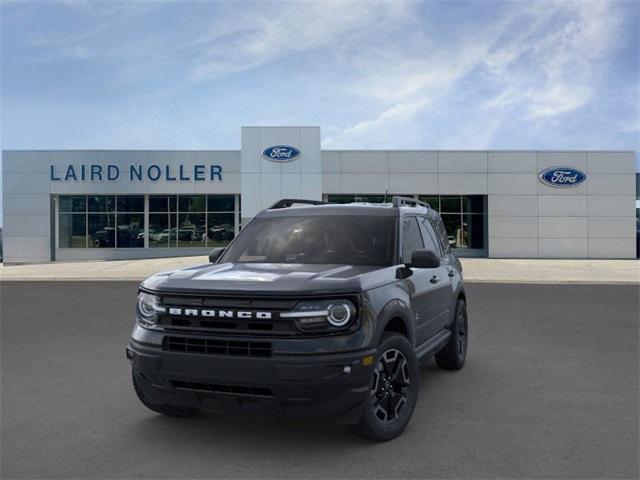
point(206, 221)
point(115, 221)
point(146, 221)
point(86, 221)
point(236, 215)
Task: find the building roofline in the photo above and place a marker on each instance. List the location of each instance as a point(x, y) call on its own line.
point(187, 150)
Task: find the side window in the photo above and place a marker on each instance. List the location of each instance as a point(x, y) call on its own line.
point(411, 238)
point(431, 241)
point(442, 233)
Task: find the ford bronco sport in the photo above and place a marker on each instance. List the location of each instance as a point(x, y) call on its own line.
point(313, 309)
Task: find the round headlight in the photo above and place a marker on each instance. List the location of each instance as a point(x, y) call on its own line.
point(339, 314)
point(148, 307)
point(318, 316)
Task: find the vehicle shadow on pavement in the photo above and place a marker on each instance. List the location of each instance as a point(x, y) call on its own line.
point(209, 428)
point(246, 445)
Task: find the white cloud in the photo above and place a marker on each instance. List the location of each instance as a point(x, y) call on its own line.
point(550, 68)
point(260, 37)
point(397, 114)
point(405, 87)
point(232, 37)
point(558, 98)
point(543, 57)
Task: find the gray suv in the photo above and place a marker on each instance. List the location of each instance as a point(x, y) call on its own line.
point(313, 309)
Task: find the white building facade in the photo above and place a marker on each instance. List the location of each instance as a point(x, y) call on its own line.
point(120, 204)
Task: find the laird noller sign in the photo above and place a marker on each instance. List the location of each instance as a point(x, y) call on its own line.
point(135, 173)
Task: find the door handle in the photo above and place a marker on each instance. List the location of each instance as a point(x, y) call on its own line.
point(452, 273)
point(435, 279)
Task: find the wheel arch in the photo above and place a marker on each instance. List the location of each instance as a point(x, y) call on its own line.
point(462, 295)
point(395, 317)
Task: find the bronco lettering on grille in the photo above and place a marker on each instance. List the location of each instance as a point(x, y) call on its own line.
point(194, 312)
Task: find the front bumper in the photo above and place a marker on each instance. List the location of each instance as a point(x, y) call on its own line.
point(318, 384)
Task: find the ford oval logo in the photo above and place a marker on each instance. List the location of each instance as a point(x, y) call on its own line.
point(281, 153)
point(562, 177)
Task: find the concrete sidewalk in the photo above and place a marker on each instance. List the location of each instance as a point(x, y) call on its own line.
point(550, 271)
point(475, 270)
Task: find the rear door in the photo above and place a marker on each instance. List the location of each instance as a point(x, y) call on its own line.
point(442, 285)
point(421, 285)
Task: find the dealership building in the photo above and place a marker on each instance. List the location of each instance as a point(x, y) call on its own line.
point(122, 204)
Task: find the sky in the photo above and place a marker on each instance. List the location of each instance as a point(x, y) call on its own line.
point(374, 74)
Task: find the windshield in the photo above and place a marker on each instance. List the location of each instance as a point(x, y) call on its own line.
point(330, 239)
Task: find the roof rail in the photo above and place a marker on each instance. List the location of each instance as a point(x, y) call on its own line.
point(407, 201)
point(289, 202)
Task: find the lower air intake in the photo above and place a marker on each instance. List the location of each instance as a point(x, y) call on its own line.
point(229, 389)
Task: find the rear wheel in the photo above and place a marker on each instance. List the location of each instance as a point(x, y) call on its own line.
point(164, 409)
point(393, 390)
point(454, 353)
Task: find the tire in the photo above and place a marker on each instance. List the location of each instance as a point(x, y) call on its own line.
point(394, 387)
point(164, 409)
point(454, 353)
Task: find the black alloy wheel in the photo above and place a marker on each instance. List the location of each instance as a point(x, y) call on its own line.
point(454, 353)
point(393, 390)
point(390, 389)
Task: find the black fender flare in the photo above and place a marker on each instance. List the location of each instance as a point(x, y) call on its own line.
point(395, 309)
point(458, 294)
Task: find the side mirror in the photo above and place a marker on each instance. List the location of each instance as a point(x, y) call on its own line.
point(215, 254)
point(424, 259)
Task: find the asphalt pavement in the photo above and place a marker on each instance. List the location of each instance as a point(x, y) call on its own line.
point(550, 390)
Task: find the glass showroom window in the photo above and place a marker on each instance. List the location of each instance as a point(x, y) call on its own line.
point(162, 221)
point(464, 217)
point(191, 220)
point(130, 221)
point(192, 226)
point(101, 221)
point(221, 219)
point(72, 221)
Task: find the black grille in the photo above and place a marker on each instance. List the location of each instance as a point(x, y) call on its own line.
point(210, 346)
point(230, 389)
point(230, 326)
point(274, 326)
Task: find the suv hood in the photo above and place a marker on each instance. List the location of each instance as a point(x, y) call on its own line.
point(271, 278)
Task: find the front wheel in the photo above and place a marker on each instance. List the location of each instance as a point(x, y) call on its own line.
point(454, 353)
point(393, 390)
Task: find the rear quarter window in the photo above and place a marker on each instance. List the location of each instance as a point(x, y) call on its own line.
point(442, 234)
point(430, 237)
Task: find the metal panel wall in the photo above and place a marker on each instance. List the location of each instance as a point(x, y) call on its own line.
point(526, 218)
point(264, 182)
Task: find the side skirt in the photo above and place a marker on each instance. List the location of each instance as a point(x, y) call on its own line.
point(433, 345)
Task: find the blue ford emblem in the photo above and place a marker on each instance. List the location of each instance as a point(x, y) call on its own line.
point(562, 177)
point(281, 153)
